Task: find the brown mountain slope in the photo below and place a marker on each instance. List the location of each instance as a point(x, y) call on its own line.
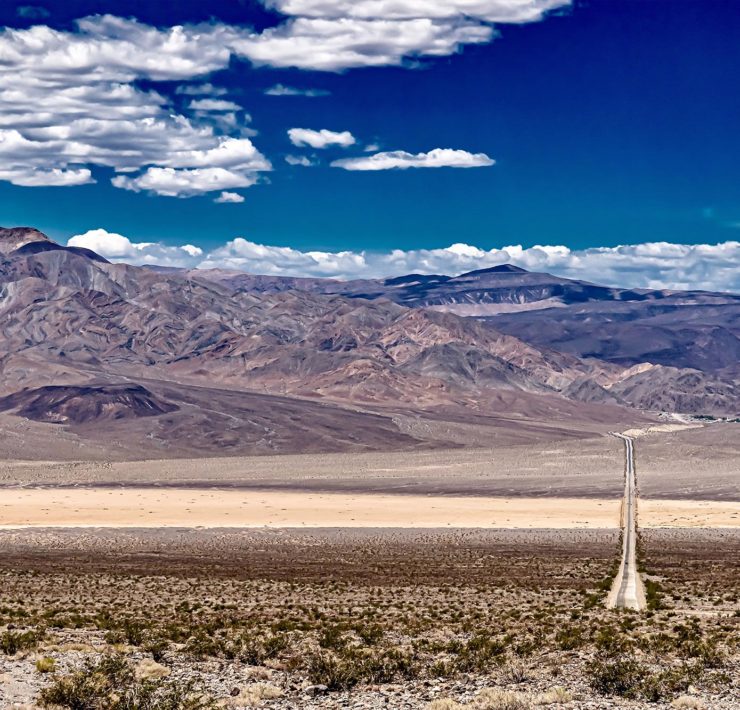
point(71, 319)
point(694, 330)
point(63, 308)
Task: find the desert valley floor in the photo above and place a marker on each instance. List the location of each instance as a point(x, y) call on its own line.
point(446, 578)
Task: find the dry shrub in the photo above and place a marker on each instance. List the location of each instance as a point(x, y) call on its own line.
point(516, 672)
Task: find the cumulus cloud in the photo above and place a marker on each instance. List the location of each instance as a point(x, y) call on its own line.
point(514, 11)
point(206, 89)
point(56, 177)
point(70, 101)
point(335, 35)
point(232, 163)
point(346, 43)
point(301, 160)
point(214, 105)
point(74, 100)
point(324, 138)
point(169, 182)
point(656, 265)
point(233, 198)
point(116, 247)
point(280, 90)
point(401, 160)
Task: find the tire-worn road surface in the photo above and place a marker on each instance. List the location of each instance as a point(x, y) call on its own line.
point(627, 592)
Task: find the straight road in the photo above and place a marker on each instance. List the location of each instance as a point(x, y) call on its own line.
point(627, 591)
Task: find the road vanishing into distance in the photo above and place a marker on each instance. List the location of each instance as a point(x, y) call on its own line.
point(627, 591)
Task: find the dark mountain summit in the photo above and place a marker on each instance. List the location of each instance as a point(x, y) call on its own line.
point(84, 405)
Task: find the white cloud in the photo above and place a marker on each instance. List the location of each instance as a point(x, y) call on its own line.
point(207, 89)
point(334, 35)
point(301, 160)
point(324, 138)
point(229, 198)
point(400, 159)
point(346, 43)
point(660, 265)
point(232, 163)
point(514, 11)
point(116, 247)
point(69, 101)
point(56, 177)
point(280, 90)
point(214, 105)
point(170, 182)
point(244, 255)
point(74, 100)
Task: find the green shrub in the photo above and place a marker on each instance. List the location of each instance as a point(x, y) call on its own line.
point(11, 642)
point(569, 638)
point(621, 676)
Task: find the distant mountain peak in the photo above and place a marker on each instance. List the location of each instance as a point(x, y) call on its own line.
point(12, 238)
point(501, 269)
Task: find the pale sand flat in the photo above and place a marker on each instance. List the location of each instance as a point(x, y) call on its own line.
point(688, 514)
point(177, 507)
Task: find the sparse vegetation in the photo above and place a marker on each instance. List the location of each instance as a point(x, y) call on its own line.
point(352, 618)
point(12, 642)
point(111, 684)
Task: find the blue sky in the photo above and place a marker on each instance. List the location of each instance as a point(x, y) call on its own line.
point(585, 124)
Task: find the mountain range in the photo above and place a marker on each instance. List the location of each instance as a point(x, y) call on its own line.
point(185, 362)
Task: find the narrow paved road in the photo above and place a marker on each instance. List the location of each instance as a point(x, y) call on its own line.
point(627, 591)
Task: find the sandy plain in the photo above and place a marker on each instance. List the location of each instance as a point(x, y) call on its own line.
point(157, 507)
point(216, 508)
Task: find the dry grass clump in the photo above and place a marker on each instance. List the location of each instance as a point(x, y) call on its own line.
point(148, 669)
point(554, 696)
point(500, 699)
point(488, 699)
point(497, 699)
point(253, 695)
point(444, 704)
point(45, 664)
